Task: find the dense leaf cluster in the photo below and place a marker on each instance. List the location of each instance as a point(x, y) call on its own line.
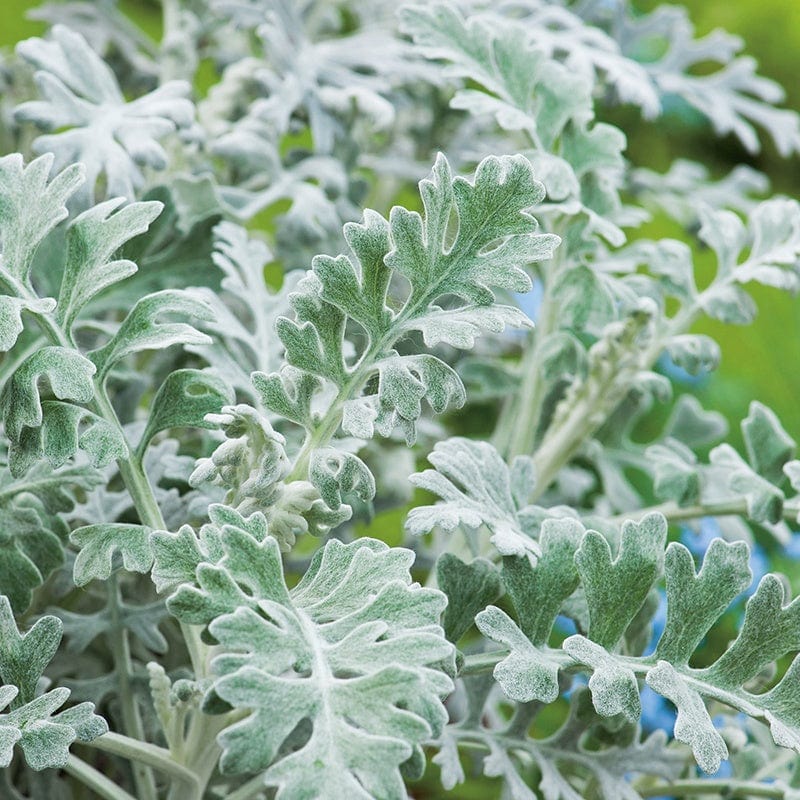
point(238, 313)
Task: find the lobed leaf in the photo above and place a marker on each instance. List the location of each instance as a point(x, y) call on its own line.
point(367, 649)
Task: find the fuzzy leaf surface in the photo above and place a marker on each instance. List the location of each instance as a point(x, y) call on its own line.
point(355, 649)
point(110, 136)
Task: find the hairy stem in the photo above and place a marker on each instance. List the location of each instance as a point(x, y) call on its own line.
point(479, 663)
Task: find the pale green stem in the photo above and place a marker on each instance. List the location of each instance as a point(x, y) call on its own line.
point(675, 513)
point(479, 663)
point(729, 788)
point(249, 789)
point(639, 665)
point(143, 753)
point(95, 780)
point(589, 413)
point(521, 415)
point(131, 716)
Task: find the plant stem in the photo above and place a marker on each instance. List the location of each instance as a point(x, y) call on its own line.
point(131, 717)
point(95, 780)
point(730, 788)
point(521, 414)
point(675, 513)
point(249, 789)
point(143, 753)
point(479, 663)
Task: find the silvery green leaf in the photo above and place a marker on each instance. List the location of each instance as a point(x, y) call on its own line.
point(496, 54)
point(616, 588)
point(65, 429)
point(24, 657)
point(336, 475)
point(93, 240)
point(31, 722)
point(31, 549)
point(733, 96)
point(32, 533)
point(404, 381)
point(43, 735)
point(469, 589)
point(527, 672)
point(675, 472)
point(475, 486)
point(768, 445)
point(696, 353)
point(251, 464)
point(98, 543)
point(145, 327)
point(564, 758)
point(486, 254)
point(175, 252)
point(106, 29)
point(184, 399)
point(587, 302)
point(686, 184)
point(589, 51)
point(539, 591)
point(141, 621)
point(693, 425)
point(110, 136)
point(695, 602)
point(693, 723)
point(764, 499)
point(242, 329)
point(178, 555)
point(357, 612)
point(70, 378)
point(459, 328)
point(773, 237)
point(522, 85)
point(11, 309)
point(613, 685)
point(31, 205)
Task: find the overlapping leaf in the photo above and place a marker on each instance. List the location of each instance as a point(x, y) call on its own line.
point(110, 136)
point(243, 339)
point(477, 488)
point(487, 252)
point(32, 721)
point(614, 590)
point(354, 651)
point(580, 754)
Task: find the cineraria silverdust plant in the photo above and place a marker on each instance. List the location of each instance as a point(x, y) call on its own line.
point(238, 343)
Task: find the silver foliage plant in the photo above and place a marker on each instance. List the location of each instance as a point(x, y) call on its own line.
point(218, 374)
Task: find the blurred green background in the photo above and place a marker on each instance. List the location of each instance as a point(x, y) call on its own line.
point(760, 361)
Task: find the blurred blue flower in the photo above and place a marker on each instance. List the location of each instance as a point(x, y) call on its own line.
point(657, 713)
